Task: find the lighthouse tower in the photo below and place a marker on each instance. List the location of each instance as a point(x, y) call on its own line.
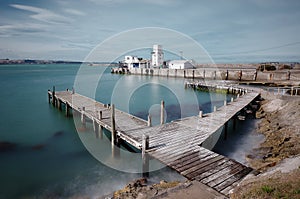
point(157, 56)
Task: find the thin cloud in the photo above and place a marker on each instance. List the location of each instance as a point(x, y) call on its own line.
point(41, 14)
point(10, 30)
point(74, 12)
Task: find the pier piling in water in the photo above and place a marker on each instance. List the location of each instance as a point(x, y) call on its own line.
point(200, 114)
point(149, 121)
point(113, 126)
point(145, 158)
point(162, 112)
point(83, 120)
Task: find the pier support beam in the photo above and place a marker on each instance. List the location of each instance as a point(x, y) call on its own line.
point(225, 130)
point(200, 114)
point(149, 120)
point(234, 122)
point(53, 96)
point(145, 157)
point(58, 104)
point(83, 116)
point(100, 115)
point(113, 126)
point(162, 112)
point(67, 109)
point(49, 97)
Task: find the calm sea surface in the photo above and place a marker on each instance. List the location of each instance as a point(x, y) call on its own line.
point(41, 153)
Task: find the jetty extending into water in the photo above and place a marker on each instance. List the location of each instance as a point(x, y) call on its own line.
point(178, 144)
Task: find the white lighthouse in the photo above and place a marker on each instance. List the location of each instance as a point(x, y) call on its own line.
point(157, 56)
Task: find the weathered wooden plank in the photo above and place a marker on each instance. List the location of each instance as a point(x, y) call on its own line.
point(237, 176)
point(202, 163)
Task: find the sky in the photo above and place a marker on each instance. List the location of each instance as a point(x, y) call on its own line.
point(229, 30)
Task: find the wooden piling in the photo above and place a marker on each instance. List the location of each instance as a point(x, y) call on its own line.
point(292, 91)
point(145, 158)
point(100, 115)
point(162, 112)
point(94, 125)
point(225, 130)
point(67, 109)
point(73, 90)
point(113, 125)
point(83, 121)
point(200, 114)
point(49, 97)
point(149, 120)
point(231, 99)
point(215, 108)
point(225, 103)
point(53, 96)
point(58, 104)
point(100, 132)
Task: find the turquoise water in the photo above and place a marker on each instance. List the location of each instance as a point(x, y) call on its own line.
point(45, 156)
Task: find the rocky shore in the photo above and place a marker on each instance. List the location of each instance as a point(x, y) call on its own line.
point(280, 125)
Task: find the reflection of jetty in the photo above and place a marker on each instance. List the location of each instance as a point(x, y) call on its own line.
point(179, 144)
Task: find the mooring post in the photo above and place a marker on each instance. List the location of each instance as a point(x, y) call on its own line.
point(162, 112)
point(94, 125)
point(73, 90)
point(215, 108)
point(67, 109)
point(113, 127)
point(145, 158)
point(225, 130)
point(225, 102)
point(53, 95)
point(100, 115)
point(58, 104)
point(200, 114)
point(231, 99)
point(238, 95)
point(292, 91)
point(82, 116)
point(100, 132)
point(49, 96)
point(149, 120)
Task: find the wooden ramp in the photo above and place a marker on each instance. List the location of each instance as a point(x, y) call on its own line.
point(176, 144)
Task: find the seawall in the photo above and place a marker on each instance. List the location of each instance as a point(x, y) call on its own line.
point(220, 74)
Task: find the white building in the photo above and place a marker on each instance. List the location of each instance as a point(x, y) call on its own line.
point(136, 62)
point(180, 64)
point(157, 56)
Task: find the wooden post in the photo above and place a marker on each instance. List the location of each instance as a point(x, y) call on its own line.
point(58, 104)
point(225, 130)
point(193, 74)
point(225, 102)
point(200, 114)
point(73, 90)
point(278, 91)
point(113, 127)
point(53, 96)
point(145, 158)
point(215, 108)
point(204, 74)
point(67, 109)
point(149, 120)
point(83, 117)
point(94, 125)
point(292, 91)
point(100, 115)
point(238, 95)
point(162, 112)
point(49, 97)
point(231, 99)
point(100, 132)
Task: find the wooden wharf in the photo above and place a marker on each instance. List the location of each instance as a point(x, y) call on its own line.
point(177, 144)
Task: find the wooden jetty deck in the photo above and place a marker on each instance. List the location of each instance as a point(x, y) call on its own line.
point(176, 144)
